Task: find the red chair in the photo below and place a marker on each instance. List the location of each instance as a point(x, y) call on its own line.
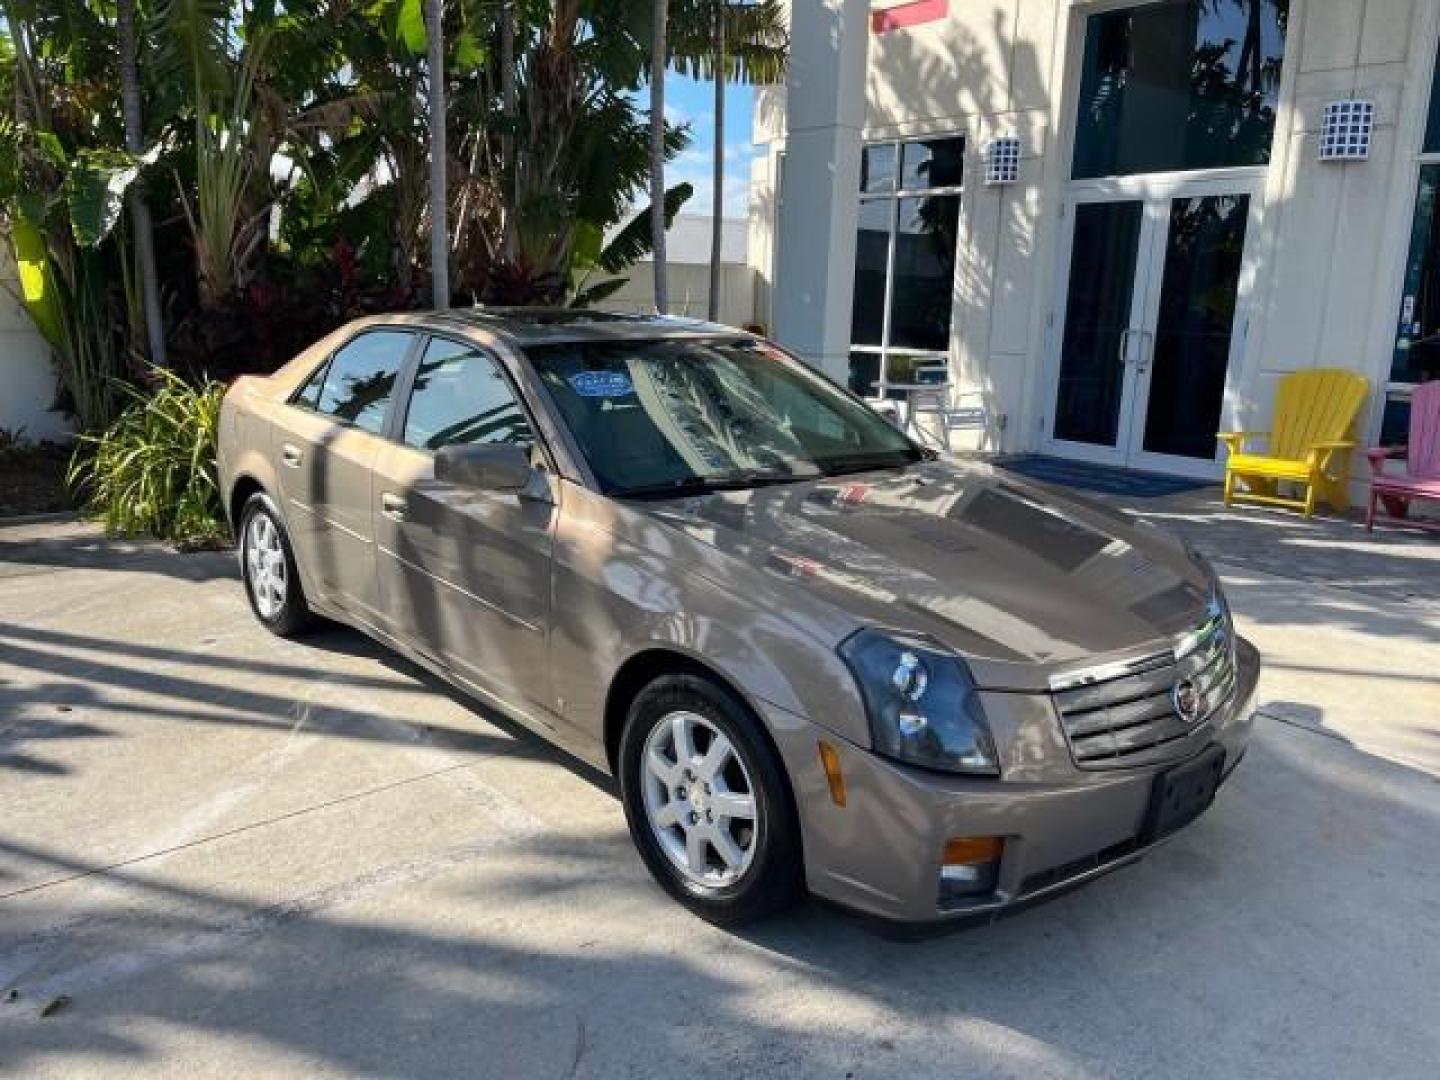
point(1421, 479)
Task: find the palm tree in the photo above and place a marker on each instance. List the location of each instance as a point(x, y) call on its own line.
point(658, 55)
point(439, 234)
point(717, 200)
point(720, 40)
point(139, 209)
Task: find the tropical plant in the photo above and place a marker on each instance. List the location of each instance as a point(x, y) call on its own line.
point(62, 184)
point(625, 249)
point(727, 41)
point(282, 154)
point(153, 470)
point(231, 149)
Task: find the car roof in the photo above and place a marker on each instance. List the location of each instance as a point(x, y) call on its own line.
point(553, 326)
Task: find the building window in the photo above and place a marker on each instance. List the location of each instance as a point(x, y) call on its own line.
point(1179, 84)
point(905, 247)
point(1416, 355)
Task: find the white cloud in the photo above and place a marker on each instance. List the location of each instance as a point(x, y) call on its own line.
point(694, 166)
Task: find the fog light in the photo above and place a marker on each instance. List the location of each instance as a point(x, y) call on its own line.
point(970, 866)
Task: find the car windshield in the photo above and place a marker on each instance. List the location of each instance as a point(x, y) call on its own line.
point(658, 418)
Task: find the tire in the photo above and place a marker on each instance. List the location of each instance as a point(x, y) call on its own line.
point(283, 612)
point(769, 875)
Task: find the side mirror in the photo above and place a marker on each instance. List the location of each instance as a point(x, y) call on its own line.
point(496, 467)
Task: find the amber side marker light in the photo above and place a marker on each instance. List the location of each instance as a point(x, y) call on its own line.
point(831, 760)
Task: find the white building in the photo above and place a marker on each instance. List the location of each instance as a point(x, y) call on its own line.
point(1172, 241)
point(687, 262)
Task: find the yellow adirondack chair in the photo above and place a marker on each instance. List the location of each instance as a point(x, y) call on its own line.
point(1313, 434)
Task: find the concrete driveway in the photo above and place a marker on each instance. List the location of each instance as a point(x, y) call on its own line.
point(235, 855)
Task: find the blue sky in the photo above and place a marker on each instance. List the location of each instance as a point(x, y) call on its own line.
point(688, 101)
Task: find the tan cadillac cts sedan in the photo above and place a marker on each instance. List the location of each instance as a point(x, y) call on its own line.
point(815, 656)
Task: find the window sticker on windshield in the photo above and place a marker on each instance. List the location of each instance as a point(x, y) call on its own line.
point(602, 384)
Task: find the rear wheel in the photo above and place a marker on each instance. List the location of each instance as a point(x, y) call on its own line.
point(707, 801)
point(268, 564)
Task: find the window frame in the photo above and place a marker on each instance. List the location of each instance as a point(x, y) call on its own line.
point(896, 194)
point(1081, 14)
point(1396, 390)
point(412, 372)
point(322, 369)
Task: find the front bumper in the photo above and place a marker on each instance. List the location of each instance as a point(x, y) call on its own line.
point(880, 854)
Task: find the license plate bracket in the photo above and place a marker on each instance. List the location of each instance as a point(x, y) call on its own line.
point(1182, 794)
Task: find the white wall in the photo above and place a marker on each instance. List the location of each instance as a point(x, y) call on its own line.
point(689, 292)
point(27, 377)
point(1337, 234)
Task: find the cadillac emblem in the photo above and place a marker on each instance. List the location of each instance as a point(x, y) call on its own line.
point(1186, 699)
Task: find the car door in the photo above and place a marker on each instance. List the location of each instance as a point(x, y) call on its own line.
point(326, 454)
point(464, 574)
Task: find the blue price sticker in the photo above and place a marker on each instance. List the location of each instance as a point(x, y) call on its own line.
point(602, 384)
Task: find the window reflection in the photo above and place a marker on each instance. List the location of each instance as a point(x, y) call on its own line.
point(1205, 245)
point(1417, 340)
point(877, 168)
point(924, 272)
point(1180, 84)
point(864, 373)
point(932, 163)
point(872, 254)
point(361, 379)
point(461, 396)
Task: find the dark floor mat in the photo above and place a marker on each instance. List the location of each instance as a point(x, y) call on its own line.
point(1102, 478)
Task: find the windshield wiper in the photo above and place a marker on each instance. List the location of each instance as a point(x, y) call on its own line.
point(858, 463)
point(701, 485)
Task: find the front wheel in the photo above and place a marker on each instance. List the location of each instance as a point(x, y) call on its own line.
point(268, 564)
point(707, 802)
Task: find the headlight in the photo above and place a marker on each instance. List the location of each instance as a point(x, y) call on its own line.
point(921, 702)
point(1218, 605)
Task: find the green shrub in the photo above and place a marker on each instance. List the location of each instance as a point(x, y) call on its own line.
point(153, 471)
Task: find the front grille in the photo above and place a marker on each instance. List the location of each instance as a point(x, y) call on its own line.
point(1126, 714)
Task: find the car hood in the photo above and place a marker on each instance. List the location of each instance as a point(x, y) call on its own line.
point(997, 568)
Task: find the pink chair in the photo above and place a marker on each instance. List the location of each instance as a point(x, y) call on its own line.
point(1421, 479)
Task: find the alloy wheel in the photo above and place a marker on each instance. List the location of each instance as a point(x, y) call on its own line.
point(265, 564)
point(699, 800)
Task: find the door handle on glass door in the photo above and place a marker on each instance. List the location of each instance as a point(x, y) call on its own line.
point(1147, 351)
point(392, 506)
point(1123, 353)
point(290, 454)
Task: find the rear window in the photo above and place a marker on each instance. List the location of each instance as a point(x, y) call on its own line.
point(357, 386)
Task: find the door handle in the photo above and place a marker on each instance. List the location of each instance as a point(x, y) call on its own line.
point(392, 506)
point(1123, 353)
point(1147, 351)
point(290, 454)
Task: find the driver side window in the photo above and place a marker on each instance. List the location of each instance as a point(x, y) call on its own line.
point(462, 396)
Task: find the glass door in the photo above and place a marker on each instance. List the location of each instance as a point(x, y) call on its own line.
point(1191, 332)
point(1100, 330)
point(1149, 325)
